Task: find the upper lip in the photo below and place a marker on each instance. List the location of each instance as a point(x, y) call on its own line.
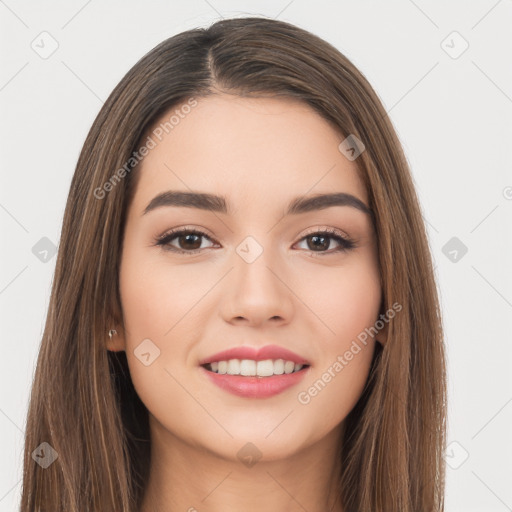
point(256, 354)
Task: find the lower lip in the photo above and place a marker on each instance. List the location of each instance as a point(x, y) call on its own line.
point(255, 387)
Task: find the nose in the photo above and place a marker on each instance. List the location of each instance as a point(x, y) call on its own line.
point(257, 291)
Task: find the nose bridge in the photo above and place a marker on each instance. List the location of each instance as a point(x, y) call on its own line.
point(253, 262)
point(258, 292)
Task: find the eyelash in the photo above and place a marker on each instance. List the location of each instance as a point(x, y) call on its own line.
point(346, 244)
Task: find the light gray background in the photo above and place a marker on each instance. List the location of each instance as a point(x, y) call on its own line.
point(452, 116)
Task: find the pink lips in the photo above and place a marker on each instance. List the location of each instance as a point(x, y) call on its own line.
point(266, 352)
point(255, 387)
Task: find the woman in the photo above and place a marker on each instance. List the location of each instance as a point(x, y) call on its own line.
point(244, 314)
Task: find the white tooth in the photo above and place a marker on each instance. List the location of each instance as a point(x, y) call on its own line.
point(251, 368)
point(278, 367)
point(247, 367)
point(265, 368)
point(223, 367)
point(233, 367)
point(289, 366)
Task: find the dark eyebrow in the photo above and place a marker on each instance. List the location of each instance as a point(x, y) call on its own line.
point(213, 203)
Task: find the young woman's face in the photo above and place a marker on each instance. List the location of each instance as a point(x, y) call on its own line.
point(241, 272)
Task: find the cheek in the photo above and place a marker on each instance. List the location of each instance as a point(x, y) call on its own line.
point(334, 390)
point(161, 302)
point(345, 301)
point(158, 297)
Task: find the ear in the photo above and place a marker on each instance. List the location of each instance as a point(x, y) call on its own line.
point(382, 335)
point(116, 342)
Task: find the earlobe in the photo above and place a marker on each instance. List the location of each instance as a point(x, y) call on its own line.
point(382, 336)
point(115, 342)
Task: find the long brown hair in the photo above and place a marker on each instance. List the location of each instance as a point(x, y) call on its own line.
point(83, 403)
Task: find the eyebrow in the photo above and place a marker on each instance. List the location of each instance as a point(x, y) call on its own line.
point(214, 203)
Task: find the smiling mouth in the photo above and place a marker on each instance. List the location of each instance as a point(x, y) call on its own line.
point(252, 368)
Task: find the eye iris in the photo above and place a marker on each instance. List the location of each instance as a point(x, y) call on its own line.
point(316, 238)
point(185, 238)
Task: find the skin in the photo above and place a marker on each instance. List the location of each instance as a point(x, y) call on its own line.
point(258, 153)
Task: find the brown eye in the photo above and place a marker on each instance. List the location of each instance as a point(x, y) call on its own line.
point(320, 242)
point(187, 240)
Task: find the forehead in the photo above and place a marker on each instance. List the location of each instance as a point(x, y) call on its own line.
point(257, 150)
